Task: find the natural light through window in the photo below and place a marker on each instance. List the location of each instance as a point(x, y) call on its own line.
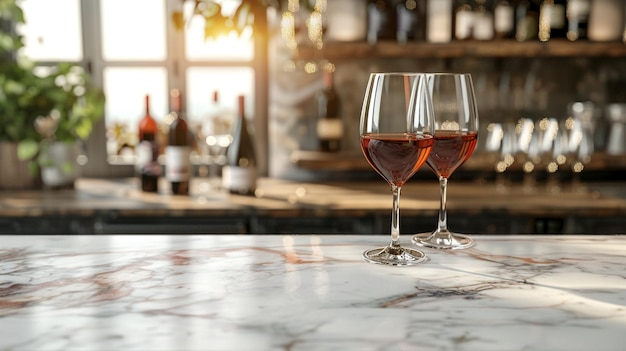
point(125, 89)
point(225, 47)
point(230, 47)
point(132, 49)
point(230, 82)
point(128, 35)
point(46, 37)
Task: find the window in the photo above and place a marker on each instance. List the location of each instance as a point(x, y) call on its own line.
point(48, 39)
point(133, 49)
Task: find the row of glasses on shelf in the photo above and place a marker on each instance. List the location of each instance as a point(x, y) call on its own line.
point(411, 119)
point(547, 144)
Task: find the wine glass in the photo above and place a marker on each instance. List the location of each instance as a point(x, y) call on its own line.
point(396, 137)
point(500, 148)
point(456, 135)
point(581, 145)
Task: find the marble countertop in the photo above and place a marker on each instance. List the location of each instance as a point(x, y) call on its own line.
point(306, 292)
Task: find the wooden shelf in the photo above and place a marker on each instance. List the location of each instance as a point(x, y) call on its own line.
point(326, 161)
point(355, 161)
point(458, 49)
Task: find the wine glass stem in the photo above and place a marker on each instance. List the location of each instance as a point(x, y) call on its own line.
point(443, 217)
point(395, 217)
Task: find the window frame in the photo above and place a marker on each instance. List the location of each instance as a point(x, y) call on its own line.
point(176, 65)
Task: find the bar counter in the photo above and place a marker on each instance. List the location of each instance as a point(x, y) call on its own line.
point(309, 292)
point(110, 206)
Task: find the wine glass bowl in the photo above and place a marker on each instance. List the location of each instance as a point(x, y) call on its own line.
point(455, 138)
point(580, 142)
point(501, 147)
point(395, 156)
point(396, 138)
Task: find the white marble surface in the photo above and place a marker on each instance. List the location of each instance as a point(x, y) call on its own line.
point(309, 293)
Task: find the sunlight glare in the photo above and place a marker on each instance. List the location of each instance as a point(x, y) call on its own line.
point(229, 47)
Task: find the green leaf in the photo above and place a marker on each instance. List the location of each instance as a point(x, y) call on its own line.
point(27, 149)
point(67, 167)
point(33, 168)
point(14, 87)
point(6, 43)
point(83, 129)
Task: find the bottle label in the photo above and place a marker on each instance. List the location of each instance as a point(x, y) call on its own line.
point(464, 22)
point(503, 19)
point(483, 27)
point(329, 128)
point(178, 163)
point(439, 21)
point(239, 179)
point(143, 154)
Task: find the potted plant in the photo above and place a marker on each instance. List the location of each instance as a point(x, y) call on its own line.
point(21, 101)
point(39, 111)
point(76, 106)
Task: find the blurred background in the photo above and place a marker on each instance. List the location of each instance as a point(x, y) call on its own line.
point(550, 76)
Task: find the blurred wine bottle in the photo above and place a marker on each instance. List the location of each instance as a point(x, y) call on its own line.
point(347, 20)
point(463, 20)
point(213, 125)
point(177, 152)
point(329, 122)
point(216, 129)
point(411, 21)
point(504, 20)
point(526, 20)
point(577, 19)
point(606, 20)
point(552, 20)
point(381, 21)
point(483, 21)
point(439, 22)
point(147, 152)
point(239, 175)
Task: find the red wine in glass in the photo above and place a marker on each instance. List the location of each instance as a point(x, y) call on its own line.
point(396, 156)
point(456, 133)
point(450, 150)
point(396, 129)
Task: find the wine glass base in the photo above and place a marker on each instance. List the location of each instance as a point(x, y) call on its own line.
point(394, 256)
point(443, 240)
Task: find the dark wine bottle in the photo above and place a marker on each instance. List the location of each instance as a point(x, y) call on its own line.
point(239, 175)
point(178, 168)
point(381, 21)
point(329, 123)
point(411, 21)
point(147, 152)
point(526, 20)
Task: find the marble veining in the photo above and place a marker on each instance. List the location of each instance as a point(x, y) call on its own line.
point(307, 292)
